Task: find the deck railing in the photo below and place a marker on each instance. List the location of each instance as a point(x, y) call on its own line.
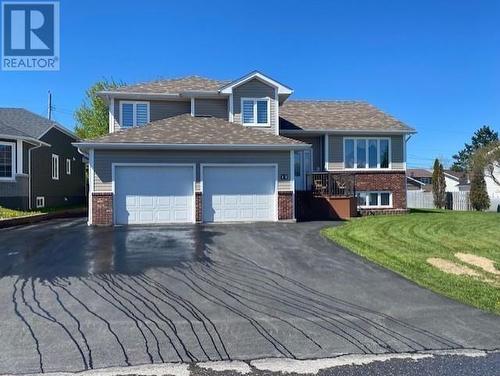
point(328, 184)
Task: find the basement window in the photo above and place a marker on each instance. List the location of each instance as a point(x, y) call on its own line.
point(40, 202)
point(374, 199)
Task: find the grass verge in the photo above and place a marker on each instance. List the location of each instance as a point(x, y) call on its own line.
point(405, 243)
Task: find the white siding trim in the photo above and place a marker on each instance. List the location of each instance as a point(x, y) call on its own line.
point(112, 115)
point(275, 165)
point(292, 180)
point(19, 159)
point(91, 183)
point(327, 151)
point(192, 106)
point(276, 111)
point(231, 108)
point(126, 164)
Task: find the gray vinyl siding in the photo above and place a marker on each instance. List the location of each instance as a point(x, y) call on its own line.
point(103, 160)
point(255, 89)
point(69, 189)
point(26, 149)
point(211, 107)
point(157, 110)
point(336, 151)
point(14, 194)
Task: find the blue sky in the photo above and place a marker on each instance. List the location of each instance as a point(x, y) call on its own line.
point(433, 64)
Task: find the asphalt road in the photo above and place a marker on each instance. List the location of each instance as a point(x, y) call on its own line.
point(75, 298)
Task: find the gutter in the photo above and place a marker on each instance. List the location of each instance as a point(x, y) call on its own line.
point(346, 131)
point(31, 140)
point(146, 146)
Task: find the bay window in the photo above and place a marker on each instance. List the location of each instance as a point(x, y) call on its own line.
point(255, 111)
point(366, 153)
point(7, 161)
point(133, 114)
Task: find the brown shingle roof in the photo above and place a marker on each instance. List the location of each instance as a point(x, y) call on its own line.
point(186, 129)
point(174, 86)
point(419, 173)
point(337, 115)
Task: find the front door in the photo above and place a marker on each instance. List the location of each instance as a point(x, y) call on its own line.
point(303, 167)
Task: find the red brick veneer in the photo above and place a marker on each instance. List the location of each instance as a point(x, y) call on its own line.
point(394, 182)
point(102, 208)
point(285, 206)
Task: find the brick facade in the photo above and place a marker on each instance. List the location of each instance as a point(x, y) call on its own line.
point(394, 182)
point(199, 207)
point(102, 208)
point(285, 206)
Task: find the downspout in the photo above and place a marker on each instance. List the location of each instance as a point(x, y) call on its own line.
point(406, 161)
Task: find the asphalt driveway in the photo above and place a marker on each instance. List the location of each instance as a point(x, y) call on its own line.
point(75, 298)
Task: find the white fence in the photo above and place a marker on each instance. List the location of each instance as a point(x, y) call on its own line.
point(425, 200)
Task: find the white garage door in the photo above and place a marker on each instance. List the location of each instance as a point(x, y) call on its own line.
point(154, 194)
point(239, 193)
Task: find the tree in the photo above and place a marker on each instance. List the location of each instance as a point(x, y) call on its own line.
point(438, 185)
point(92, 117)
point(479, 198)
point(481, 138)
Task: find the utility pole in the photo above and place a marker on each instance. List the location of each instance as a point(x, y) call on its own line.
point(49, 106)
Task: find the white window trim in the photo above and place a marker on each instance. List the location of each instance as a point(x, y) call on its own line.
point(379, 200)
point(55, 176)
point(40, 202)
point(255, 100)
point(12, 161)
point(68, 166)
point(134, 112)
point(366, 168)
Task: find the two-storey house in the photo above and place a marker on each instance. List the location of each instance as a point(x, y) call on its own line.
point(201, 150)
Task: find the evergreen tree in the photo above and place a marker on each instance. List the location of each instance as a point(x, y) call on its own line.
point(478, 194)
point(481, 138)
point(438, 185)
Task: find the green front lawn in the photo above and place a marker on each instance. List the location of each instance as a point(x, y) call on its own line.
point(9, 213)
point(405, 243)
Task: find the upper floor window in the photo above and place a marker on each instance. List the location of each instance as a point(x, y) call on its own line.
point(255, 111)
point(133, 114)
point(6, 160)
point(367, 153)
point(55, 167)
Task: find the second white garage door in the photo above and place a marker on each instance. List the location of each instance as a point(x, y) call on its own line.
point(154, 194)
point(239, 193)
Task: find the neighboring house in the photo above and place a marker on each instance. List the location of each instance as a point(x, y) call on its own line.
point(39, 167)
point(201, 150)
point(421, 179)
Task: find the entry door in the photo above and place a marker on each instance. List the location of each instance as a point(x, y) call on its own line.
point(303, 167)
point(154, 194)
